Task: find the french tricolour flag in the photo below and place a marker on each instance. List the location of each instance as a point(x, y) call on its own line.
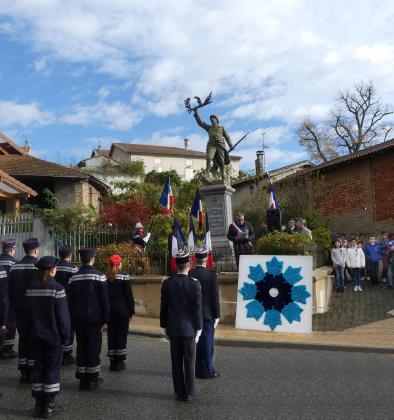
point(167, 199)
point(272, 198)
point(177, 243)
point(208, 242)
point(196, 210)
point(191, 241)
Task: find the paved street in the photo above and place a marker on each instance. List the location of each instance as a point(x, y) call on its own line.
point(254, 384)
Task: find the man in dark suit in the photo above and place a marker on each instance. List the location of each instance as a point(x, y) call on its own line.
point(181, 317)
point(211, 315)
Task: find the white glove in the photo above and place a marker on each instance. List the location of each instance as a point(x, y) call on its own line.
point(216, 323)
point(146, 237)
point(164, 332)
point(197, 337)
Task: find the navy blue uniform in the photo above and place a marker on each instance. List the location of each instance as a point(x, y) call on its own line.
point(89, 308)
point(211, 311)
point(121, 303)
point(7, 261)
point(65, 270)
point(181, 316)
point(3, 296)
point(49, 328)
point(21, 274)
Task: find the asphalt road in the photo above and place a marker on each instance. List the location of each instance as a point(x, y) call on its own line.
point(254, 384)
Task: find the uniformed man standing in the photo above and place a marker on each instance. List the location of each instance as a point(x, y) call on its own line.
point(211, 314)
point(7, 260)
point(64, 270)
point(49, 328)
point(88, 301)
point(181, 317)
point(20, 276)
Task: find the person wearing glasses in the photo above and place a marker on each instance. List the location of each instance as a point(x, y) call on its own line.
point(241, 234)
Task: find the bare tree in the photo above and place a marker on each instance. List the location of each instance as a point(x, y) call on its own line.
point(357, 122)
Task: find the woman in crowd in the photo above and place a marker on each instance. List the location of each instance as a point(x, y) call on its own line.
point(121, 302)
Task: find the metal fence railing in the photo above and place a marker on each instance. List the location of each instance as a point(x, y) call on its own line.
point(18, 227)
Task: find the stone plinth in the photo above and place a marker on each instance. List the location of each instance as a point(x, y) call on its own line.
point(219, 207)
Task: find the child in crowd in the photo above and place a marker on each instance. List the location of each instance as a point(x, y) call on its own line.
point(372, 252)
point(355, 260)
point(338, 257)
point(390, 264)
point(121, 303)
point(49, 327)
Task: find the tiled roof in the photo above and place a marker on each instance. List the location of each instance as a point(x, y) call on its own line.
point(16, 185)
point(100, 152)
point(9, 146)
point(147, 149)
point(379, 148)
point(31, 166)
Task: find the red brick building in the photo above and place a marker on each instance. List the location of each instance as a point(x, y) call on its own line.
point(359, 190)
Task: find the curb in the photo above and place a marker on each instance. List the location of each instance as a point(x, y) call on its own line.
point(229, 342)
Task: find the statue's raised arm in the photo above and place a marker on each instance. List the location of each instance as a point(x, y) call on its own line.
point(200, 122)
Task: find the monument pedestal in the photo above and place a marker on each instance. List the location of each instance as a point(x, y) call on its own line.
point(219, 206)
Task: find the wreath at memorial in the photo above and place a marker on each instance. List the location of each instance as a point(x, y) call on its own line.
point(274, 294)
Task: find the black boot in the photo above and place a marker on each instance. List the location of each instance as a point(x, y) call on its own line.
point(29, 376)
point(120, 365)
point(50, 408)
point(82, 383)
point(38, 408)
point(112, 364)
point(68, 359)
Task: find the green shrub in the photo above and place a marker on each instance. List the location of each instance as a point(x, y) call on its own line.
point(134, 261)
point(281, 243)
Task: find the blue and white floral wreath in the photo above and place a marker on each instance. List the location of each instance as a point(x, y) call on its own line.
point(274, 293)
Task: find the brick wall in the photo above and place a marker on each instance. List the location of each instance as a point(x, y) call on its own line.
point(360, 195)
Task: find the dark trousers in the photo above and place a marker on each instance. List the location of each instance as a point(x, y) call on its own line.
point(372, 271)
point(25, 347)
point(183, 358)
point(11, 331)
point(88, 351)
point(46, 373)
point(204, 352)
point(68, 347)
point(118, 328)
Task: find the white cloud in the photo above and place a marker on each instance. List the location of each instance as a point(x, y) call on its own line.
point(281, 60)
point(116, 115)
point(40, 64)
point(13, 113)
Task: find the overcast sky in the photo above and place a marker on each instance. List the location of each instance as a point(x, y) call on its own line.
point(74, 73)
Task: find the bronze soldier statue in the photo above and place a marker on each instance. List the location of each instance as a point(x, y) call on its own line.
point(217, 154)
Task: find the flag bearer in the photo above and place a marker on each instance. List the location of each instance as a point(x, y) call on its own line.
point(65, 269)
point(210, 312)
point(88, 300)
point(49, 328)
point(181, 317)
point(7, 260)
point(121, 304)
point(21, 274)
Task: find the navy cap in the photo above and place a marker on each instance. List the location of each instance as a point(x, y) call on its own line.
point(201, 252)
point(87, 253)
point(64, 250)
point(44, 263)
point(30, 244)
point(139, 241)
point(8, 243)
point(182, 257)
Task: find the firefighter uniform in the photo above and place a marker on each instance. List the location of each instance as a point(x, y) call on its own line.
point(88, 302)
point(64, 270)
point(211, 315)
point(181, 317)
point(21, 274)
point(49, 328)
point(121, 303)
point(7, 261)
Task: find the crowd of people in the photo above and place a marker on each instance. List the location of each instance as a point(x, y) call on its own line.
point(359, 259)
point(48, 300)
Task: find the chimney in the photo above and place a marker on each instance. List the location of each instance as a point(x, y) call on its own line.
point(26, 148)
point(260, 162)
point(187, 143)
